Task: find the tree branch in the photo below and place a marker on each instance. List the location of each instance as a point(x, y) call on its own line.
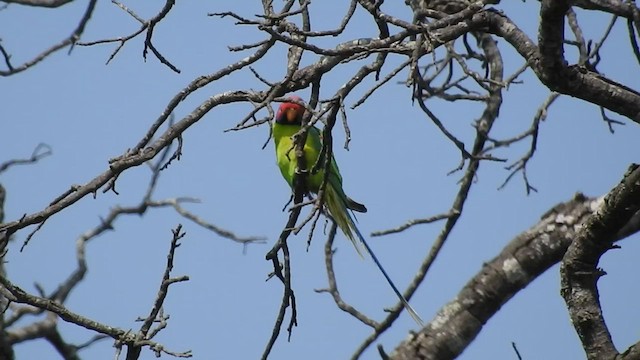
point(71, 40)
point(579, 271)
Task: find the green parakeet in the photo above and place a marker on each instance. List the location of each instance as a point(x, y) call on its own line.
point(288, 121)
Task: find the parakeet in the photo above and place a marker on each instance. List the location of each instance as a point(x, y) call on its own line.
point(288, 121)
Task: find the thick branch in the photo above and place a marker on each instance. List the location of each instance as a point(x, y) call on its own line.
point(522, 261)
point(553, 71)
point(526, 257)
point(579, 269)
point(577, 80)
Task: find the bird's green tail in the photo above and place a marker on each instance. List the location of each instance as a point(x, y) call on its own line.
point(335, 202)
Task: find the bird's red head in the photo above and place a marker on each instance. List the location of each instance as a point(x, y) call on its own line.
point(289, 112)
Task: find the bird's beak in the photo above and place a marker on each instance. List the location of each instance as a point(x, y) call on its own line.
point(291, 115)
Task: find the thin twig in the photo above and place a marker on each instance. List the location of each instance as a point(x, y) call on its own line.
point(41, 151)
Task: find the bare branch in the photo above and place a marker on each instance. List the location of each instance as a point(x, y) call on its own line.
point(333, 284)
point(40, 3)
point(609, 121)
point(521, 164)
point(22, 297)
point(146, 25)
point(147, 41)
point(69, 41)
point(463, 71)
point(483, 127)
point(579, 271)
point(413, 222)
point(122, 163)
point(41, 151)
point(143, 334)
point(527, 256)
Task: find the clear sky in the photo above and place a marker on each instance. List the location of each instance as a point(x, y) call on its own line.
point(89, 112)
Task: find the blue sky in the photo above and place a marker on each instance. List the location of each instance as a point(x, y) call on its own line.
point(397, 165)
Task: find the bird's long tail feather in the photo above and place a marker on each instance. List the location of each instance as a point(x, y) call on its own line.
point(338, 209)
point(404, 301)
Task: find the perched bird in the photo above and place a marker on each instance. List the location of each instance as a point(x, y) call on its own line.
point(288, 122)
